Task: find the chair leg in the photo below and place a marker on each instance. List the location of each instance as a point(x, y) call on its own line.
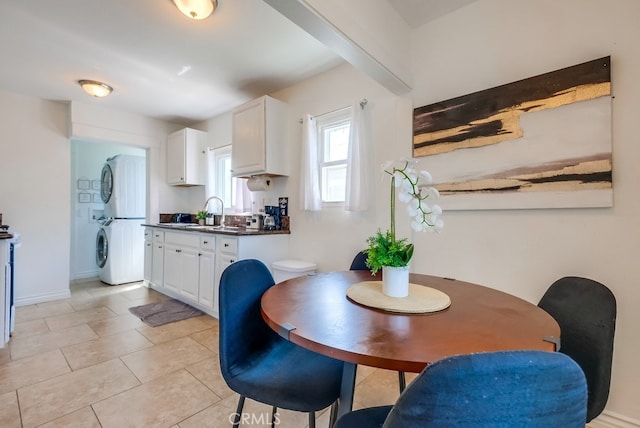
point(312, 419)
point(402, 381)
point(236, 418)
point(333, 416)
point(274, 410)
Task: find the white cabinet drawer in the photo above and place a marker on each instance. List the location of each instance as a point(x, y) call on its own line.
point(228, 245)
point(224, 261)
point(158, 235)
point(186, 239)
point(208, 242)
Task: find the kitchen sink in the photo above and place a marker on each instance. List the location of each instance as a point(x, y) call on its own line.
point(222, 228)
point(201, 227)
point(194, 226)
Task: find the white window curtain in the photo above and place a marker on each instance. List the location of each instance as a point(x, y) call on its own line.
point(356, 181)
point(310, 199)
point(240, 196)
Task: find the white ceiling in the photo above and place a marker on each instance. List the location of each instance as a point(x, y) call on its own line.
point(419, 12)
point(160, 63)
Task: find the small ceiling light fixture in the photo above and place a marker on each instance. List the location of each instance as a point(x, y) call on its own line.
point(95, 88)
point(196, 9)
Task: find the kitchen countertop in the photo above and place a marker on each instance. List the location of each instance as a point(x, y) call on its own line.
point(7, 235)
point(221, 230)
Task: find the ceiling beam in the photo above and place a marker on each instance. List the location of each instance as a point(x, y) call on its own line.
point(380, 51)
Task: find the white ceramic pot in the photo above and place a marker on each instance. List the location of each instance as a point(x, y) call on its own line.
point(395, 281)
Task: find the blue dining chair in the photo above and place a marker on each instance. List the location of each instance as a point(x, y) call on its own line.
point(586, 312)
point(495, 389)
point(359, 262)
point(259, 364)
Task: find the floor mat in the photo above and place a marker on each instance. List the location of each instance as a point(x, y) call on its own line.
point(165, 312)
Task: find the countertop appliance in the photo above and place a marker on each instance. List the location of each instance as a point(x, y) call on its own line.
point(273, 214)
point(269, 222)
point(255, 222)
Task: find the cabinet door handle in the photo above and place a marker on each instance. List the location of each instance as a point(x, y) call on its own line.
point(226, 245)
point(199, 254)
point(231, 260)
point(205, 242)
point(178, 251)
point(159, 246)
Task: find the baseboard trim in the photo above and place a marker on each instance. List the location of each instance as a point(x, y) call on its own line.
point(613, 420)
point(32, 300)
point(85, 275)
point(84, 280)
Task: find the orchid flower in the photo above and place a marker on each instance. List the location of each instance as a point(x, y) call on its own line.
point(406, 179)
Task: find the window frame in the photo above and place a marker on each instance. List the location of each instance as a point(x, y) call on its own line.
point(323, 122)
point(220, 154)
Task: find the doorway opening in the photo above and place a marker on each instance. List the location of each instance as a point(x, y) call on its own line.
point(87, 208)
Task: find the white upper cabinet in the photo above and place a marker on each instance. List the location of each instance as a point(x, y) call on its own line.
point(259, 143)
point(186, 163)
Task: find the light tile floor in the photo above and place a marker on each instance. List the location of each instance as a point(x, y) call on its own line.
point(87, 362)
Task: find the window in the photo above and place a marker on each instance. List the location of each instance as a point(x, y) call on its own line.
point(221, 172)
point(220, 182)
point(333, 146)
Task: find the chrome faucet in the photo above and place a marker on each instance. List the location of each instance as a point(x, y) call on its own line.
point(206, 203)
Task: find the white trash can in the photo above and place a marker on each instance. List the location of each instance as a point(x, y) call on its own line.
point(287, 269)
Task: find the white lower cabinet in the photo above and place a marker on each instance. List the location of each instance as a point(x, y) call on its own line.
point(157, 259)
point(157, 264)
point(207, 272)
point(187, 265)
point(148, 260)
point(227, 254)
point(181, 264)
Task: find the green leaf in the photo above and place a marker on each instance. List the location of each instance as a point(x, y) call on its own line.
point(385, 250)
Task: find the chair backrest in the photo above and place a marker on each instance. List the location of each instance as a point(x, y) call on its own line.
point(495, 389)
point(586, 312)
point(359, 262)
point(242, 329)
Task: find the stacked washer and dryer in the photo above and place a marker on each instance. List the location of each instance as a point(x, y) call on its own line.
point(120, 240)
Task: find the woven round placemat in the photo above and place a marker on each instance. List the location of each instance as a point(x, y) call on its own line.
point(420, 300)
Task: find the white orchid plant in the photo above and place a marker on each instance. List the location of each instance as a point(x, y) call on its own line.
point(384, 249)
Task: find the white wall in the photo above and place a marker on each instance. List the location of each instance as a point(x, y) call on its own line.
point(35, 180)
point(493, 42)
point(331, 238)
point(34, 192)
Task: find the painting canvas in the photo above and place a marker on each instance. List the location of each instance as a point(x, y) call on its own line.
point(541, 142)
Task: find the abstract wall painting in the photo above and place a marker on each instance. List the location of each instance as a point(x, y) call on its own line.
point(541, 142)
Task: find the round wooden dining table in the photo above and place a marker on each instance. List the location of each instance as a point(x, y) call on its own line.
point(314, 312)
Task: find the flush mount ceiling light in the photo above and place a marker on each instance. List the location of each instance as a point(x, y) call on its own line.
point(95, 88)
point(196, 9)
